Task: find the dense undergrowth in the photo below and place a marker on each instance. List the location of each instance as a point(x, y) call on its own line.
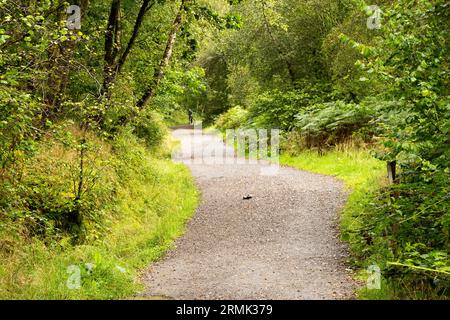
point(137, 202)
point(88, 193)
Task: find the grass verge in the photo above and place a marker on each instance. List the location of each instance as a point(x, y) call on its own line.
point(153, 200)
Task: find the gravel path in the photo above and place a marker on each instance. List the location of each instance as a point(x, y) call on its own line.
point(280, 244)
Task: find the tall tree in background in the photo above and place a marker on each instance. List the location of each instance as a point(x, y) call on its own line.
point(159, 72)
point(114, 61)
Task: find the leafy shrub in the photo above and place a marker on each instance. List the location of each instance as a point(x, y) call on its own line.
point(406, 230)
point(150, 127)
point(17, 132)
point(232, 119)
point(277, 109)
point(332, 123)
point(65, 189)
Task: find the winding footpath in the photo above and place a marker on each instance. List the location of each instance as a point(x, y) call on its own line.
point(280, 244)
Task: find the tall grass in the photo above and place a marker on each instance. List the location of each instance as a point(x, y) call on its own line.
point(154, 199)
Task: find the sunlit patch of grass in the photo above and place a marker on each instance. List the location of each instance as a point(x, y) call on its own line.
point(356, 167)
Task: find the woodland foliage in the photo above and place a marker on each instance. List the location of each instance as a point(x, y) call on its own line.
point(67, 94)
point(312, 68)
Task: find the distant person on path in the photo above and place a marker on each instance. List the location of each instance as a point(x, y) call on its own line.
point(190, 114)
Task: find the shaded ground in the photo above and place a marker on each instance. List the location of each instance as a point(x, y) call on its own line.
point(280, 244)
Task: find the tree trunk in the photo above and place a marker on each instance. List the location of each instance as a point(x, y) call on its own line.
point(147, 5)
point(159, 72)
point(112, 46)
point(113, 66)
point(392, 172)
